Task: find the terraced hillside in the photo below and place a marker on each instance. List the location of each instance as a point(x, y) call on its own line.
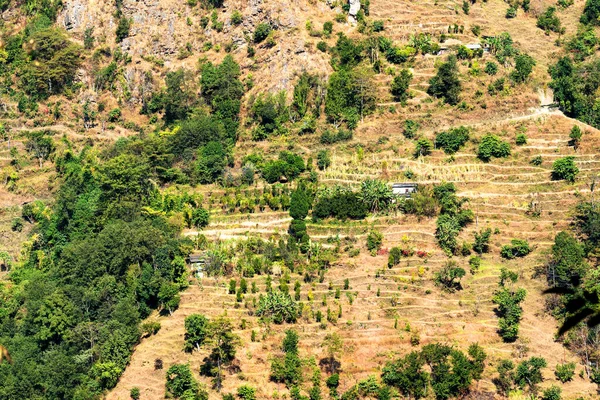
point(147, 136)
point(391, 306)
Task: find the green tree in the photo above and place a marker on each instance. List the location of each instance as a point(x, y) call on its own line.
point(40, 145)
point(575, 136)
point(452, 140)
point(407, 375)
point(524, 64)
point(278, 306)
point(450, 275)
point(196, 332)
point(299, 204)
point(565, 169)
point(446, 84)
point(333, 345)
point(224, 345)
point(261, 32)
point(54, 61)
point(491, 146)
point(423, 148)
point(591, 13)
point(180, 381)
point(400, 85)
point(376, 194)
point(123, 28)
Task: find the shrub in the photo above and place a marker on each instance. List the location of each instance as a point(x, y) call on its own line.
point(520, 139)
point(575, 135)
point(322, 46)
point(511, 12)
point(474, 264)
point(279, 306)
point(374, 240)
point(549, 21)
point(261, 32)
point(565, 372)
point(565, 169)
point(591, 13)
point(400, 85)
point(196, 330)
point(537, 161)
point(482, 240)
point(423, 148)
point(491, 146)
point(236, 17)
point(552, 393)
point(246, 392)
point(378, 26)
point(452, 140)
point(517, 248)
point(449, 276)
point(491, 68)
point(123, 28)
point(509, 311)
point(410, 128)
point(17, 225)
point(323, 159)
point(328, 27)
point(134, 393)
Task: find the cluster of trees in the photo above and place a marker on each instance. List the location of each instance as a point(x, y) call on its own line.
point(449, 371)
point(452, 219)
point(217, 334)
point(526, 376)
point(339, 202)
point(97, 266)
point(508, 300)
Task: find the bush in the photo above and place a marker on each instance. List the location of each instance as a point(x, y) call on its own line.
point(279, 306)
point(329, 137)
point(400, 85)
point(322, 46)
point(410, 128)
point(236, 17)
point(328, 27)
point(452, 140)
point(517, 248)
point(474, 264)
point(378, 26)
point(449, 276)
point(591, 13)
point(523, 67)
point(134, 393)
point(549, 21)
point(246, 392)
point(17, 225)
point(565, 169)
point(491, 146)
point(423, 148)
point(520, 139)
point(374, 240)
point(261, 32)
point(323, 159)
point(491, 68)
point(565, 372)
point(123, 28)
point(552, 393)
point(482, 240)
point(537, 161)
point(511, 12)
point(575, 135)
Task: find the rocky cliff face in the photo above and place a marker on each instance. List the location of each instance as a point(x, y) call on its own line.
point(171, 32)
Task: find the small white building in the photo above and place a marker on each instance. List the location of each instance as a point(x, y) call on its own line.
point(404, 189)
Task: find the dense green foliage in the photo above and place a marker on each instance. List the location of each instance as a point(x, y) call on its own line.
point(339, 202)
point(516, 248)
point(278, 306)
point(508, 308)
point(452, 219)
point(400, 85)
point(452, 140)
point(491, 146)
point(446, 84)
point(574, 88)
point(565, 169)
point(451, 371)
point(591, 12)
